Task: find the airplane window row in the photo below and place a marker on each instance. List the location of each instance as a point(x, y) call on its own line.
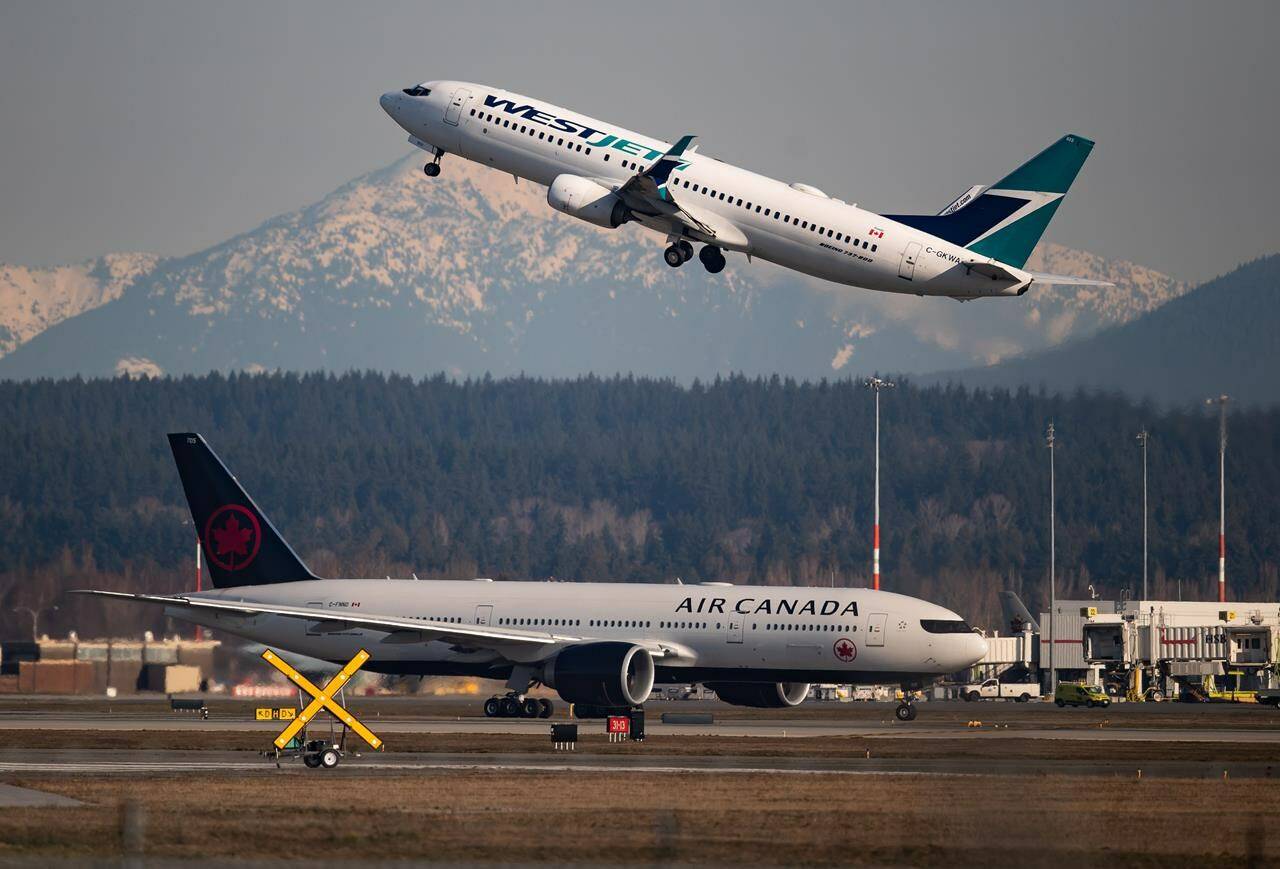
point(617, 623)
point(531, 622)
point(532, 131)
point(810, 627)
point(437, 618)
point(687, 625)
point(776, 215)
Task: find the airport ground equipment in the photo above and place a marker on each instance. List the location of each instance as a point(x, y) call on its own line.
point(1080, 694)
point(179, 704)
point(994, 689)
point(1269, 697)
point(320, 753)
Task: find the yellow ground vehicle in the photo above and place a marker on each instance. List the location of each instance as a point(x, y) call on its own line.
point(1080, 694)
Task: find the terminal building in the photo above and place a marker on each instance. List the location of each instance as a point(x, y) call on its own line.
point(1143, 649)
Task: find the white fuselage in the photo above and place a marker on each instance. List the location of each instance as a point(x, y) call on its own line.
point(703, 632)
point(796, 226)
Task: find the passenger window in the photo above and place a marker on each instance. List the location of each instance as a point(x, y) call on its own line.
point(588, 152)
point(606, 158)
point(473, 113)
point(865, 245)
point(722, 196)
point(873, 248)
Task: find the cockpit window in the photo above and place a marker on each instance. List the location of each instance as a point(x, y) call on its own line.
point(945, 626)
point(418, 91)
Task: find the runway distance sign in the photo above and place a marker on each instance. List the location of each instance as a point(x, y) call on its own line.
point(267, 713)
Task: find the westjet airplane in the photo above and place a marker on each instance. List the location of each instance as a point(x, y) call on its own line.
point(606, 175)
point(601, 646)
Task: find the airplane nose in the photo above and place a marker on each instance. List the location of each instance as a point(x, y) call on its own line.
point(389, 101)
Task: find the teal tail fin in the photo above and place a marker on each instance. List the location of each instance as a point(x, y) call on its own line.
point(1008, 218)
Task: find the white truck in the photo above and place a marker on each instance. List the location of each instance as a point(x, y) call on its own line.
point(994, 689)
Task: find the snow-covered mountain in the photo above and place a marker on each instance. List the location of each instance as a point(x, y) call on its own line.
point(472, 273)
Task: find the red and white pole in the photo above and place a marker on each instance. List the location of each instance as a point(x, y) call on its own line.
point(875, 384)
point(199, 630)
point(875, 541)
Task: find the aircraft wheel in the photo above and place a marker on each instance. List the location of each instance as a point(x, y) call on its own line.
point(431, 169)
point(906, 712)
point(311, 760)
point(686, 249)
point(674, 256)
point(530, 708)
point(510, 707)
point(492, 708)
point(547, 708)
point(712, 258)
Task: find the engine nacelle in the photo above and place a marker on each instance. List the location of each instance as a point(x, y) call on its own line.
point(613, 675)
point(586, 200)
point(761, 695)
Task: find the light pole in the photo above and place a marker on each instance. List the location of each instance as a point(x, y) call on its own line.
point(1221, 401)
point(1143, 437)
point(1049, 440)
point(875, 384)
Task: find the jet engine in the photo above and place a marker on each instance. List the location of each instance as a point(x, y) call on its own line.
point(767, 695)
point(586, 200)
point(611, 675)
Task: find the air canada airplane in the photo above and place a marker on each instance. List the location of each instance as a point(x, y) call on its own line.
point(606, 175)
point(601, 646)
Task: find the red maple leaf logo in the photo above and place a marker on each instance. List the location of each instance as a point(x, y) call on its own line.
point(845, 650)
point(232, 537)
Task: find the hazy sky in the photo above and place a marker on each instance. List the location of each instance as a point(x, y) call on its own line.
point(167, 127)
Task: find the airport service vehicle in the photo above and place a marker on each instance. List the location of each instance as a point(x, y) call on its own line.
point(604, 174)
point(994, 689)
point(1268, 696)
point(1080, 694)
point(601, 646)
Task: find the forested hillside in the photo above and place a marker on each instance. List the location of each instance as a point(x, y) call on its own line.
point(762, 481)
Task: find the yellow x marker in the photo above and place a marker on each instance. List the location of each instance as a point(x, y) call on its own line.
point(323, 698)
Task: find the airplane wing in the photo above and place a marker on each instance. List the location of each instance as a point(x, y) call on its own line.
point(652, 202)
point(1042, 278)
point(398, 628)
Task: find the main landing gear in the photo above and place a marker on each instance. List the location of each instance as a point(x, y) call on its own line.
point(906, 711)
point(681, 252)
point(516, 706)
point(678, 254)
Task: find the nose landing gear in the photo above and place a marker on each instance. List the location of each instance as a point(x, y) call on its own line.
point(905, 711)
point(432, 169)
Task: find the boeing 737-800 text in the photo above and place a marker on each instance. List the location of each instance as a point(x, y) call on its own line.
point(606, 175)
point(601, 646)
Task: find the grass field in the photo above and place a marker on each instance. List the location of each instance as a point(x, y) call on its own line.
point(555, 818)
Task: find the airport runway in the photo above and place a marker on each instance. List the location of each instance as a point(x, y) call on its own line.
point(1078, 728)
point(145, 762)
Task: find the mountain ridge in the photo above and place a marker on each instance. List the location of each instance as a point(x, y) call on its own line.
point(472, 273)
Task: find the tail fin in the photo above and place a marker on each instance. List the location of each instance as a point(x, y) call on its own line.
point(1008, 218)
point(1015, 613)
point(240, 544)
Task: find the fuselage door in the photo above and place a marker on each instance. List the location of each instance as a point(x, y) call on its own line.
point(484, 614)
point(907, 268)
point(454, 112)
point(313, 627)
point(735, 626)
point(875, 625)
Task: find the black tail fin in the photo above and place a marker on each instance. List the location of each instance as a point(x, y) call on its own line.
point(240, 544)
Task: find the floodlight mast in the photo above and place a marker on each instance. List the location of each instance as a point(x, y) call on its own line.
point(1143, 437)
point(1221, 401)
point(875, 384)
point(1050, 439)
